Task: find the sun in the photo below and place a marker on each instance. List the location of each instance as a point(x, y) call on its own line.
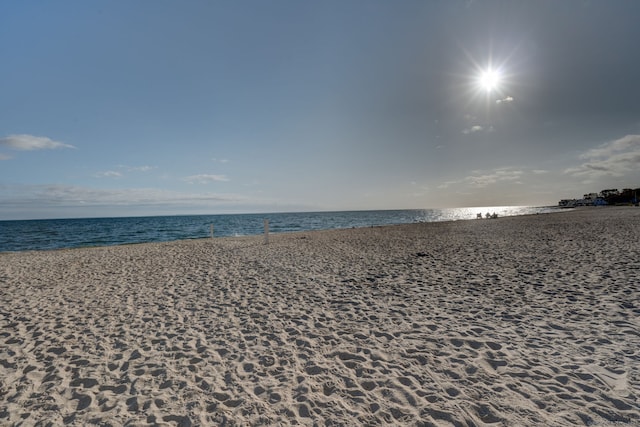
point(489, 80)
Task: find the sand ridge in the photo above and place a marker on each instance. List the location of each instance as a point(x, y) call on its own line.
point(512, 322)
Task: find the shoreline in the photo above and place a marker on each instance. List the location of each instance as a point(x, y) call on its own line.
point(526, 320)
point(20, 236)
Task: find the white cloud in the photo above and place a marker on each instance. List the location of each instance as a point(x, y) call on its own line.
point(504, 100)
point(109, 174)
point(205, 178)
point(220, 160)
point(482, 179)
point(31, 143)
point(125, 168)
point(4, 157)
point(472, 129)
point(629, 142)
point(615, 158)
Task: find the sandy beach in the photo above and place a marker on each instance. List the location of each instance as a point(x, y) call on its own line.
point(518, 321)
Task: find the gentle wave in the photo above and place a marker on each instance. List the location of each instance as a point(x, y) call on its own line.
point(84, 232)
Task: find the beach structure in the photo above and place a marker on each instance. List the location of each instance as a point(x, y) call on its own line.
point(605, 197)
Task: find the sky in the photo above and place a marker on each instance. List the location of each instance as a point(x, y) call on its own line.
point(153, 107)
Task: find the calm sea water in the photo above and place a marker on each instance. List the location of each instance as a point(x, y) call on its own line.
point(73, 233)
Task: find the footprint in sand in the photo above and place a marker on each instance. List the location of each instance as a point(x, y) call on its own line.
point(615, 380)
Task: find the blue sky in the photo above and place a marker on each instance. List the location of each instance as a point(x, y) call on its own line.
point(117, 108)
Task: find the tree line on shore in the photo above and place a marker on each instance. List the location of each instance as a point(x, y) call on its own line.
point(605, 197)
point(615, 197)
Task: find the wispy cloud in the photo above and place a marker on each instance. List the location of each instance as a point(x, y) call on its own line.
point(220, 160)
point(4, 157)
point(615, 158)
point(626, 143)
point(122, 169)
point(108, 174)
point(67, 201)
point(485, 178)
point(472, 129)
point(30, 143)
point(67, 195)
point(472, 126)
point(138, 168)
point(205, 179)
point(504, 100)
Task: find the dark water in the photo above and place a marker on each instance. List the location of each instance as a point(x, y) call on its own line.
point(72, 233)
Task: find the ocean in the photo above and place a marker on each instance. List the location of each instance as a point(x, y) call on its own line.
point(50, 234)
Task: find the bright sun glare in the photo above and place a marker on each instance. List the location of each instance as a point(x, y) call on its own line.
point(489, 80)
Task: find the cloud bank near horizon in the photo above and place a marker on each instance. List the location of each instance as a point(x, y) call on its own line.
point(617, 158)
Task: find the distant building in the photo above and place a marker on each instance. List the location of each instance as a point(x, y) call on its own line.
point(568, 203)
point(606, 197)
point(588, 200)
point(594, 199)
point(608, 193)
